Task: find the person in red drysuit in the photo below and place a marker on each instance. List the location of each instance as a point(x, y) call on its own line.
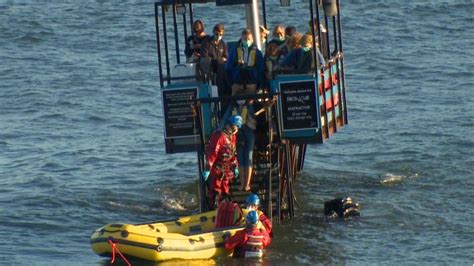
point(222, 165)
point(249, 242)
point(252, 204)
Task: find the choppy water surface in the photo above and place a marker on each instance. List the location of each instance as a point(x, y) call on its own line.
point(81, 134)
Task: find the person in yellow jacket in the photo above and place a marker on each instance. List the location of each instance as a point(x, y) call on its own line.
point(245, 66)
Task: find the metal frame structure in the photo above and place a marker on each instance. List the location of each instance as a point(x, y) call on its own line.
point(285, 157)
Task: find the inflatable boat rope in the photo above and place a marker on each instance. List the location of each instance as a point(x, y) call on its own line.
point(115, 248)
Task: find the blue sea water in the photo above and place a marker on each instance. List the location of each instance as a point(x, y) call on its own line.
point(81, 133)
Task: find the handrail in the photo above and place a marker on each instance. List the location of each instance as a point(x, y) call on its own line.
point(259, 96)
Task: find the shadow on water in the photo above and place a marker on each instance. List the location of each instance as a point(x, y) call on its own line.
point(225, 261)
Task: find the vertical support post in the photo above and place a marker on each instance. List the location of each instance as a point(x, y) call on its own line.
point(202, 190)
point(302, 156)
point(334, 119)
point(203, 206)
point(191, 17)
point(338, 69)
point(343, 80)
point(158, 43)
point(334, 29)
point(185, 28)
point(280, 188)
point(264, 14)
point(251, 13)
point(167, 57)
point(315, 55)
point(270, 163)
point(289, 181)
point(176, 39)
point(319, 74)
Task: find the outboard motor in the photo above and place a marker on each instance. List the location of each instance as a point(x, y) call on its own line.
point(341, 208)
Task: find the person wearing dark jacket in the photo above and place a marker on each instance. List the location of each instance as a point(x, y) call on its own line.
point(213, 58)
point(192, 48)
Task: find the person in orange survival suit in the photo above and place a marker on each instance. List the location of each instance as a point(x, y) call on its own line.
point(222, 165)
point(249, 242)
point(252, 203)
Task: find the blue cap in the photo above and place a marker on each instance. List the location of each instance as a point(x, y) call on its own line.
point(236, 120)
point(252, 217)
point(253, 199)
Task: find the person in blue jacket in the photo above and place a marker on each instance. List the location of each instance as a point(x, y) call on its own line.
point(245, 66)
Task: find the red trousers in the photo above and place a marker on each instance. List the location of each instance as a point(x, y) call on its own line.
point(219, 185)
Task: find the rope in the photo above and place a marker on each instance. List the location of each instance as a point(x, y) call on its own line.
point(115, 248)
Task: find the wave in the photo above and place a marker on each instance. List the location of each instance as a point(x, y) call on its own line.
point(393, 179)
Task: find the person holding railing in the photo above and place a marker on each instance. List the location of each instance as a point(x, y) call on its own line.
point(245, 138)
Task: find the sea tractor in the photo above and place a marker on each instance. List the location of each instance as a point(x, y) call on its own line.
point(294, 111)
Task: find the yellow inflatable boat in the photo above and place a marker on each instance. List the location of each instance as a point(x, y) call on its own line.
point(188, 237)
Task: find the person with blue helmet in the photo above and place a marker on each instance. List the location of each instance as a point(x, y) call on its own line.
point(249, 242)
point(252, 204)
point(252, 200)
point(245, 138)
point(221, 161)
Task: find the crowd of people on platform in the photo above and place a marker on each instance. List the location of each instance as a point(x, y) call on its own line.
point(242, 69)
point(243, 64)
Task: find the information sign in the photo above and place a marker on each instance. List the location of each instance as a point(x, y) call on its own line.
point(178, 112)
point(298, 105)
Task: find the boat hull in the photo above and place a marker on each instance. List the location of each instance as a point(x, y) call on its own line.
point(190, 237)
